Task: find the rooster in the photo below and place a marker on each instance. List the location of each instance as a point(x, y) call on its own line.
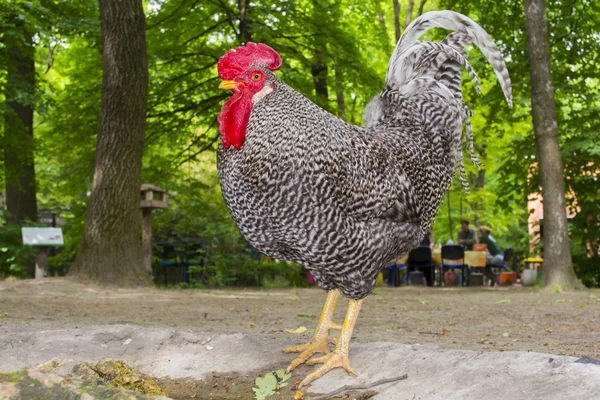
point(344, 200)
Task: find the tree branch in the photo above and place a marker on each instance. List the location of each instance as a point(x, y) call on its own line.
point(359, 387)
point(167, 17)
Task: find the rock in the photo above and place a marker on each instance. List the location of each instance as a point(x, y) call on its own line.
point(79, 380)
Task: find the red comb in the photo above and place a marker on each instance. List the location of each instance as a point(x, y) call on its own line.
point(235, 62)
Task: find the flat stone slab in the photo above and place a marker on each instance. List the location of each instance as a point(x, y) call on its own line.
point(433, 373)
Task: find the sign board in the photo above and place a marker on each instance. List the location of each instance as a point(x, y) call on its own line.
point(42, 236)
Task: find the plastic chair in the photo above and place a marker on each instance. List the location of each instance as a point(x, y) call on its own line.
point(454, 253)
point(394, 272)
point(508, 253)
point(420, 257)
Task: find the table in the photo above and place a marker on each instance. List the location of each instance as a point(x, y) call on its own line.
point(476, 259)
point(533, 262)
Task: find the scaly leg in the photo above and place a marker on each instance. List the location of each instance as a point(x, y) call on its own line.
point(320, 339)
point(339, 357)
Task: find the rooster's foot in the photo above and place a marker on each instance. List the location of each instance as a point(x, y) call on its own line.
point(333, 360)
point(321, 339)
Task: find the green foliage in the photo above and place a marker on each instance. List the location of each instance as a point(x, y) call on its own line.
point(15, 259)
point(185, 40)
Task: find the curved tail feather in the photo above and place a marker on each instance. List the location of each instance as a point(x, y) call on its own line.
point(404, 56)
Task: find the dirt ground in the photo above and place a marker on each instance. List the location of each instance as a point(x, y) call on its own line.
point(481, 319)
point(499, 318)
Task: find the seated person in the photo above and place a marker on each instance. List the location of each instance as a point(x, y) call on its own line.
point(494, 254)
point(467, 237)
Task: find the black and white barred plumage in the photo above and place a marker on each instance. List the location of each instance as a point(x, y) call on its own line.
point(344, 200)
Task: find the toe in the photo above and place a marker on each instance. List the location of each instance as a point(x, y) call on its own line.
point(334, 360)
point(319, 360)
point(296, 349)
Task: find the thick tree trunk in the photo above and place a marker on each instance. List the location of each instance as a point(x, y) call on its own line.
point(18, 126)
point(397, 19)
point(558, 268)
point(111, 249)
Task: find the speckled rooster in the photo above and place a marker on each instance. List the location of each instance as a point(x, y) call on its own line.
point(345, 200)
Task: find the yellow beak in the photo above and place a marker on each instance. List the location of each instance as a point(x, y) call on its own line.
point(229, 85)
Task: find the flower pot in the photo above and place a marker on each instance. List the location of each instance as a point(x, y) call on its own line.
point(506, 278)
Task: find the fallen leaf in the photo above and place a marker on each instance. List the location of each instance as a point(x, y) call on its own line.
point(505, 301)
point(445, 330)
point(306, 315)
point(298, 395)
point(505, 334)
point(299, 330)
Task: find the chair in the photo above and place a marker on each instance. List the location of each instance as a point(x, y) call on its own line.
point(454, 253)
point(420, 257)
point(194, 254)
point(508, 253)
point(169, 257)
point(393, 274)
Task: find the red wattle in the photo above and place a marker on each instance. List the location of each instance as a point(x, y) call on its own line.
point(234, 118)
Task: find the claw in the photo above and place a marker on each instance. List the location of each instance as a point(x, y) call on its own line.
point(334, 360)
point(318, 346)
point(339, 357)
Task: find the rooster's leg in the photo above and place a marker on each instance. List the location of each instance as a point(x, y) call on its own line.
point(339, 357)
point(320, 339)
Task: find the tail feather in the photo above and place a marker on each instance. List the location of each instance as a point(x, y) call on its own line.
point(442, 63)
point(404, 56)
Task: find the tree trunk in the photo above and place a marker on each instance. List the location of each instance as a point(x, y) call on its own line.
point(339, 90)
point(319, 68)
point(18, 126)
point(558, 268)
point(245, 22)
point(397, 19)
point(421, 6)
point(408, 16)
point(111, 250)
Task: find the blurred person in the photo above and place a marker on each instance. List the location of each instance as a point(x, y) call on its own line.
point(493, 252)
point(467, 237)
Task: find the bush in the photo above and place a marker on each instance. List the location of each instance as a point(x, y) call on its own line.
point(15, 259)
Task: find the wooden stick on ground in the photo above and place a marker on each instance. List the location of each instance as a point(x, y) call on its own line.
point(359, 387)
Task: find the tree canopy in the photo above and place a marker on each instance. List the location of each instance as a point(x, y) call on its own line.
point(336, 53)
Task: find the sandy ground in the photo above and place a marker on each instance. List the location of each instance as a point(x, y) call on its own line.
point(448, 324)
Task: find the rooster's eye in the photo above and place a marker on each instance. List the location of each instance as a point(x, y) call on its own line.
point(256, 76)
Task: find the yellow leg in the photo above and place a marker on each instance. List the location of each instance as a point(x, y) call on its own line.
point(320, 339)
point(339, 357)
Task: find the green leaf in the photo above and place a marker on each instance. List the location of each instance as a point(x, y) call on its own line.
point(267, 385)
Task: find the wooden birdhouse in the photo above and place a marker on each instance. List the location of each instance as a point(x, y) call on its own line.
point(152, 197)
